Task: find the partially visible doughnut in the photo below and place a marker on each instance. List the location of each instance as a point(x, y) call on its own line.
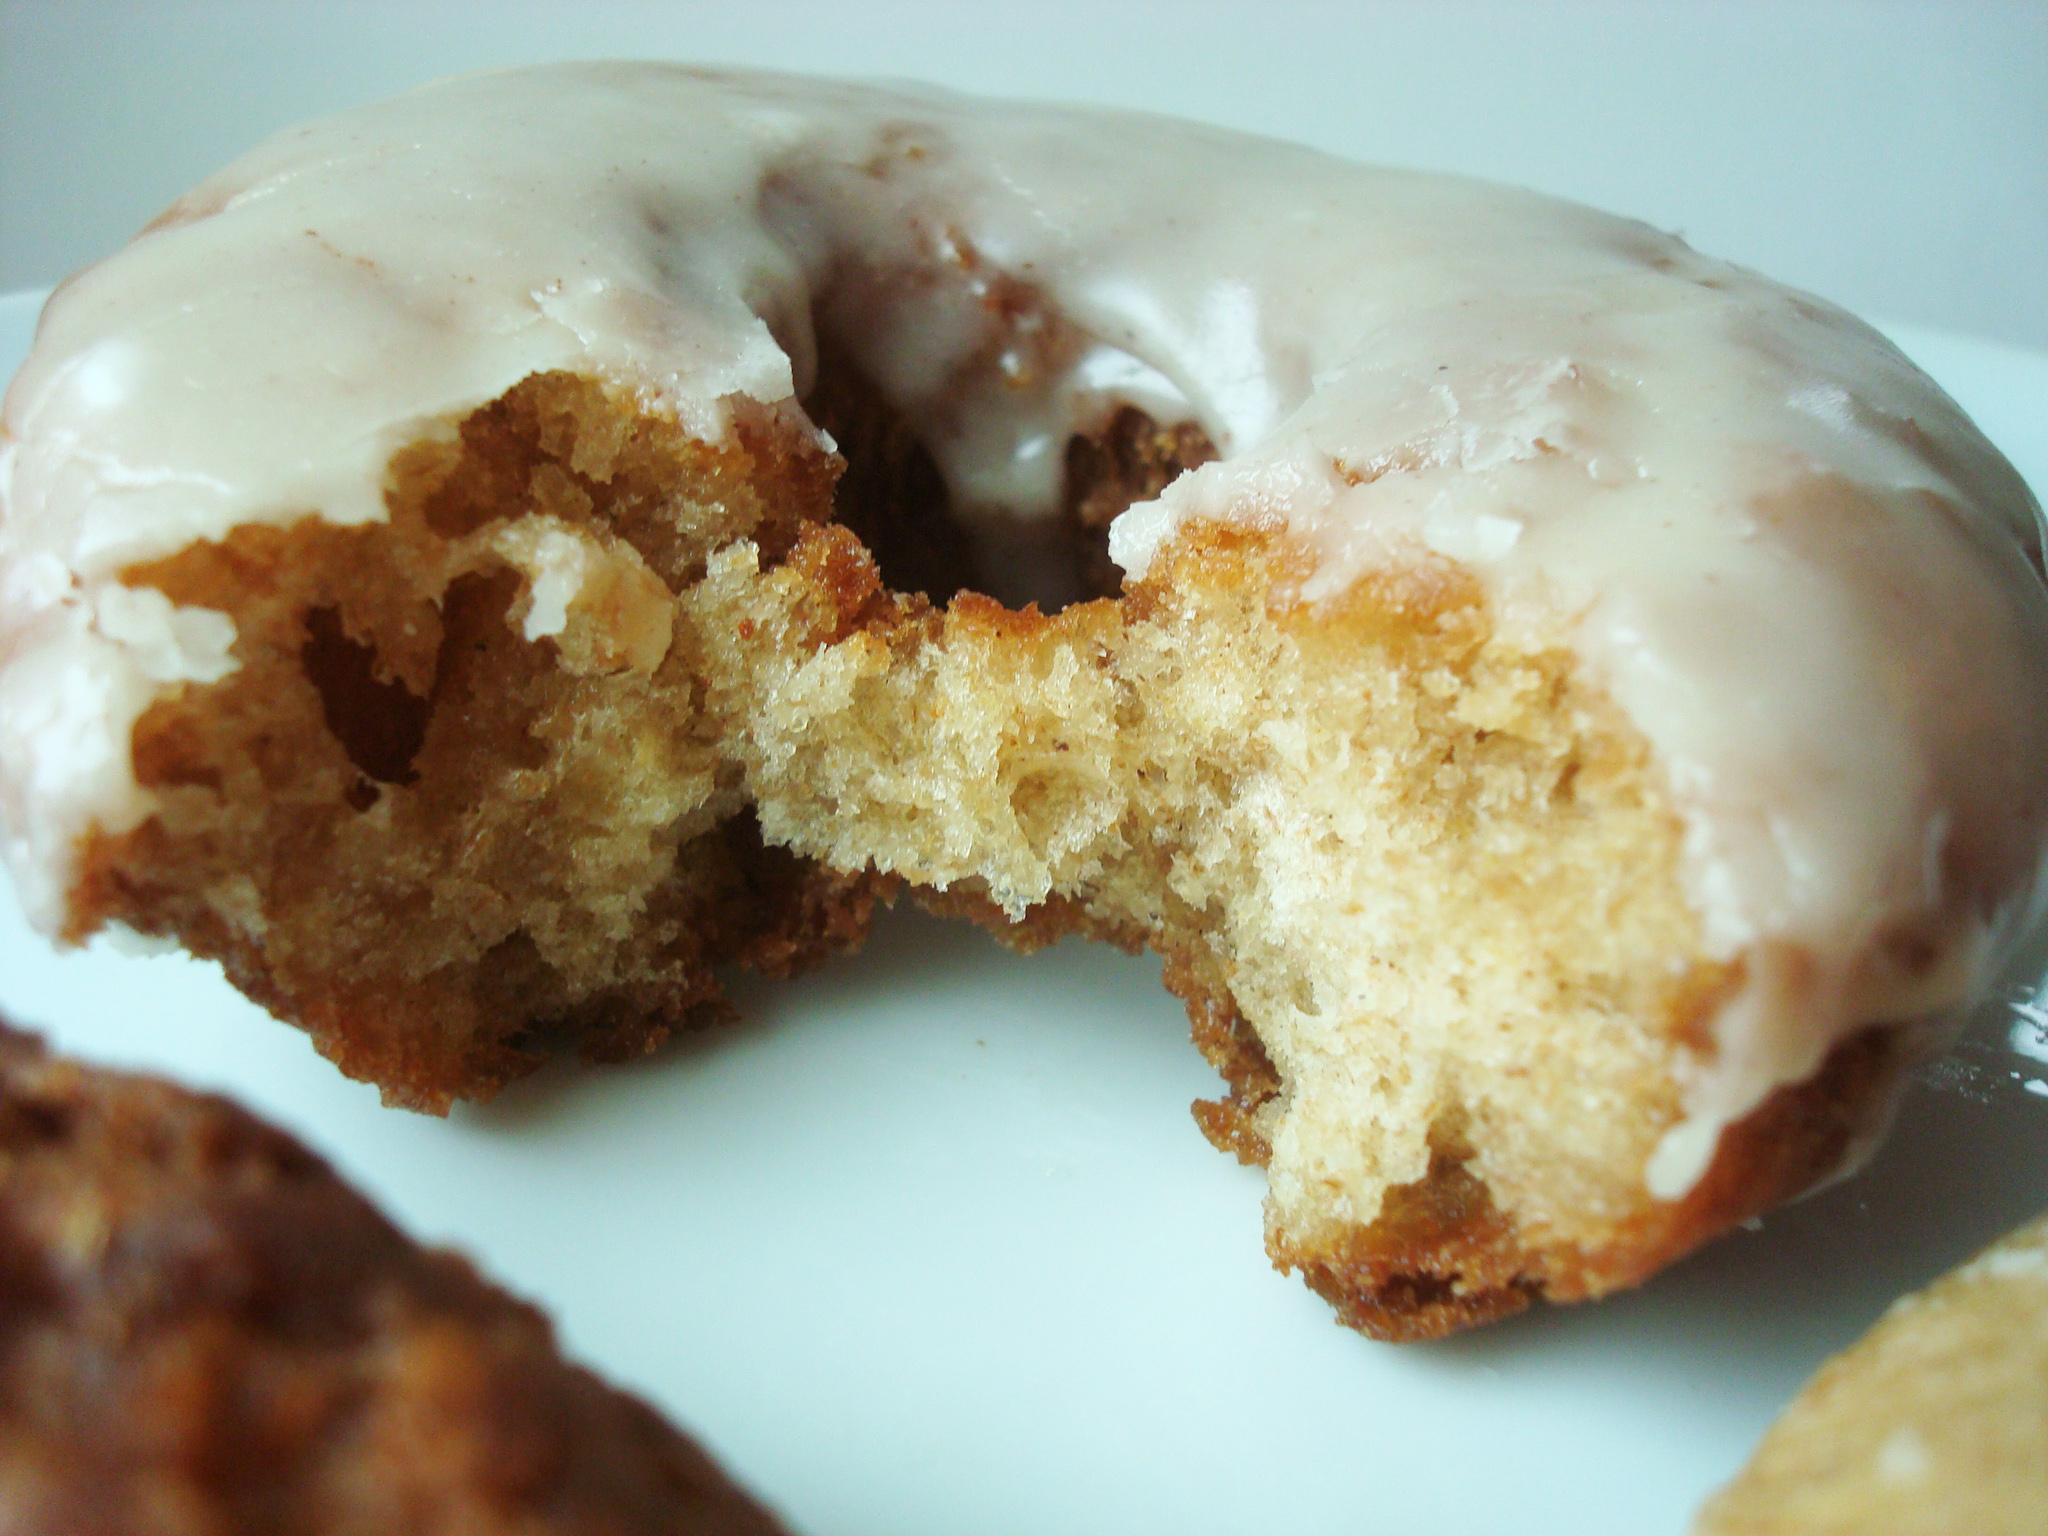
point(1933, 1422)
point(203, 1329)
point(1575, 722)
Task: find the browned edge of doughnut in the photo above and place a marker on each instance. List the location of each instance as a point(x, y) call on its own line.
point(779, 916)
point(1440, 1257)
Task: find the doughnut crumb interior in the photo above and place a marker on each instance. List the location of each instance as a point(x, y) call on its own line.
point(1570, 714)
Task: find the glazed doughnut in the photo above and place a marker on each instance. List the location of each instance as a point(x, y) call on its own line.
point(1571, 713)
point(1931, 1422)
point(203, 1329)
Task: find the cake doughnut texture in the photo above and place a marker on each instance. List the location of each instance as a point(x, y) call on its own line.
point(1571, 714)
point(203, 1329)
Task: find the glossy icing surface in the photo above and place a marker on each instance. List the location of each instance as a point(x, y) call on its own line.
point(1789, 558)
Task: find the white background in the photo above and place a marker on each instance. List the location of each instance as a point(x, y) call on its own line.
point(1892, 157)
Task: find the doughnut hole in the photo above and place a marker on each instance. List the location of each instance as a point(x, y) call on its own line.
point(891, 495)
point(893, 498)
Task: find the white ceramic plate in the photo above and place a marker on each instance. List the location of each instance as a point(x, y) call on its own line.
point(930, 1245)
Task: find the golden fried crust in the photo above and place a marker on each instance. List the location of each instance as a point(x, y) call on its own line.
point(1440, 1257)
point(203, 1329)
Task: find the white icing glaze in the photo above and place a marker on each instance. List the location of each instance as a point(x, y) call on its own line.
point(1786, 554)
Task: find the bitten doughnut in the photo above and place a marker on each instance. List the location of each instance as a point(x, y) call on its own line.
point(203, 1329)
point(1930, 1423)
point(1572, 714)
